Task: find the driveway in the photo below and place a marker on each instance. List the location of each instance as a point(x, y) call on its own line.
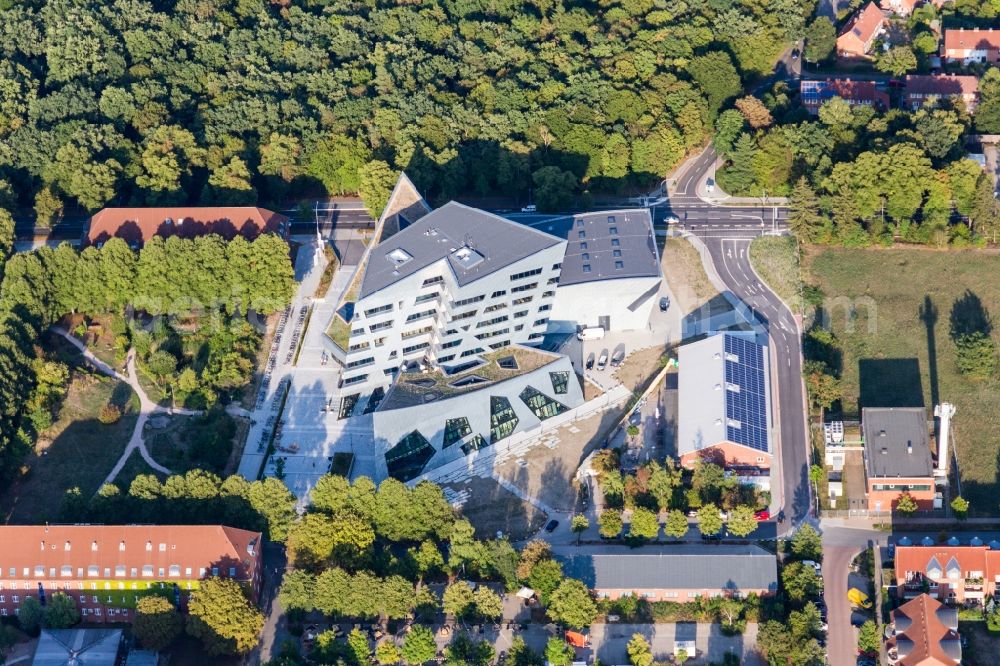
point(840, 546)
point(609, 641)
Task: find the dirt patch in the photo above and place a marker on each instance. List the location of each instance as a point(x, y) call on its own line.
point(549, 474)
point(685, 274)
point(640, 367)
point(492, 508)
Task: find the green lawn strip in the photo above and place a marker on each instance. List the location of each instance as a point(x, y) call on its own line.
point(776, 260)
point(875, 301)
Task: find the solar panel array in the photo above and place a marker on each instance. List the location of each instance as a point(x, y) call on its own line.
point(748, 405)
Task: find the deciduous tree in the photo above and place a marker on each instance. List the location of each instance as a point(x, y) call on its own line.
point(157, 623)
point(221, 616)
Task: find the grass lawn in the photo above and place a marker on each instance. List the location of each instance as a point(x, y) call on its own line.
point(776, 260)
point(135, 466)
point(685, 274)
point(890, 311)
point(77, 450)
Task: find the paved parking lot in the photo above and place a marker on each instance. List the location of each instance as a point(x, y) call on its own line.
point(609, 642)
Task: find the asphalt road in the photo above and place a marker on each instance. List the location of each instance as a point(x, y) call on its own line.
point(727, 232)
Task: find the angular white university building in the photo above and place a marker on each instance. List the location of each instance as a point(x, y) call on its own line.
point(437, 335)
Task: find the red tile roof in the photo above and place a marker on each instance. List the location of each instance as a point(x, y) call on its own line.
point(94, 551)
point(941, 84)
point(969, 558)
point(961, 39)
point(862, 27)
point(138, 225)
point(926, 633)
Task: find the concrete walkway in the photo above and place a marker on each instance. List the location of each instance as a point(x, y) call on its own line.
point(146, 406)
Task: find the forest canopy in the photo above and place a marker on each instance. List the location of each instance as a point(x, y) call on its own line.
point(152, 102)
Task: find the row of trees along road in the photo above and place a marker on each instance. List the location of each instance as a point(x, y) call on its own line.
point(136, 102)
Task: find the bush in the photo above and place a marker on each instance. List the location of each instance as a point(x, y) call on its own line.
point(109, 414)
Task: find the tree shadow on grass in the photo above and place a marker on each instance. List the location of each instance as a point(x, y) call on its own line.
point(969, 315)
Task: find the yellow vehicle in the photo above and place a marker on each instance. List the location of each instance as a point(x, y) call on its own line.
point(858, 598)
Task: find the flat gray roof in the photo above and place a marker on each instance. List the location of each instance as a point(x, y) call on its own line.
point(888, 431)
point(440, 233)
point(679, 567)
point(596, 248)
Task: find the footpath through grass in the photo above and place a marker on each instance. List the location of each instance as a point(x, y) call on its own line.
point(891, 312)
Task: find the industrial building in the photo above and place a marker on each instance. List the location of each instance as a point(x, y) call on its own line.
point(724, 403)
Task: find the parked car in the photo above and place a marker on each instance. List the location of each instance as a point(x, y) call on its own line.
point(858, 598)
point(551, 526)
point(591, 333)
point(762, 515)
point(530, 208)
point(635, 418)
point(795, 54)
point(590, 362)
point(602, 362)
point(712, 537)
point(664, 304)
point(672, 219)
point(814, 565)
point(710, 185)
point(617, 358)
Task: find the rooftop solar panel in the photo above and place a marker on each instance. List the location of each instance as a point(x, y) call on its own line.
point(746, 408)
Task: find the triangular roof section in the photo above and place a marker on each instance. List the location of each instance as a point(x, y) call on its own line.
point(473, 242)
point(934, 567)
point(405, 202)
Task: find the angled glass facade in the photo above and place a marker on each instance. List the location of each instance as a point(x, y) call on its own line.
point(455, 430)
point(560, 382)
point(406, 460)
point(542, 405)
point(503, 420)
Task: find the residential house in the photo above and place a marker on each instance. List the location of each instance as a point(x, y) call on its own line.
point(897, 456)
point(899, 7)
point(724, 403)
point(860, 32)
point(678, 573)
point(104, 568)
point(856, 93)
point(137, 225)
point(953, 573)
point(925, 633)
point(973, 45)
point(923, 88)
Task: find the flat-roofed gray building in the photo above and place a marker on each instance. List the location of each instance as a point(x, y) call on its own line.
point(724, 403)
point(681, 572)
point(897, 456)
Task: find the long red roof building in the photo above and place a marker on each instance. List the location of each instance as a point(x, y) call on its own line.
point(105, 568)
point(138, 225)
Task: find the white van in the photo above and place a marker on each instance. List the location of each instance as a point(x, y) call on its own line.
point(592, 333)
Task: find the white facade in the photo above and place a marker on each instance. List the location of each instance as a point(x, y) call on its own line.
point(616, 305)
point(445, 425)
point(429, 318)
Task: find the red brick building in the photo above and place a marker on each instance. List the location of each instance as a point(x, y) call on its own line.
point(105, 568)
point(921, 88)
point(138, 225)
point(857, 37)
point(897, 457)
point(856, 93)
point(958, 574)
point(974, 45)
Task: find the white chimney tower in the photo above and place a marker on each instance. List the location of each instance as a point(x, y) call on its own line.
point(944, 411)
